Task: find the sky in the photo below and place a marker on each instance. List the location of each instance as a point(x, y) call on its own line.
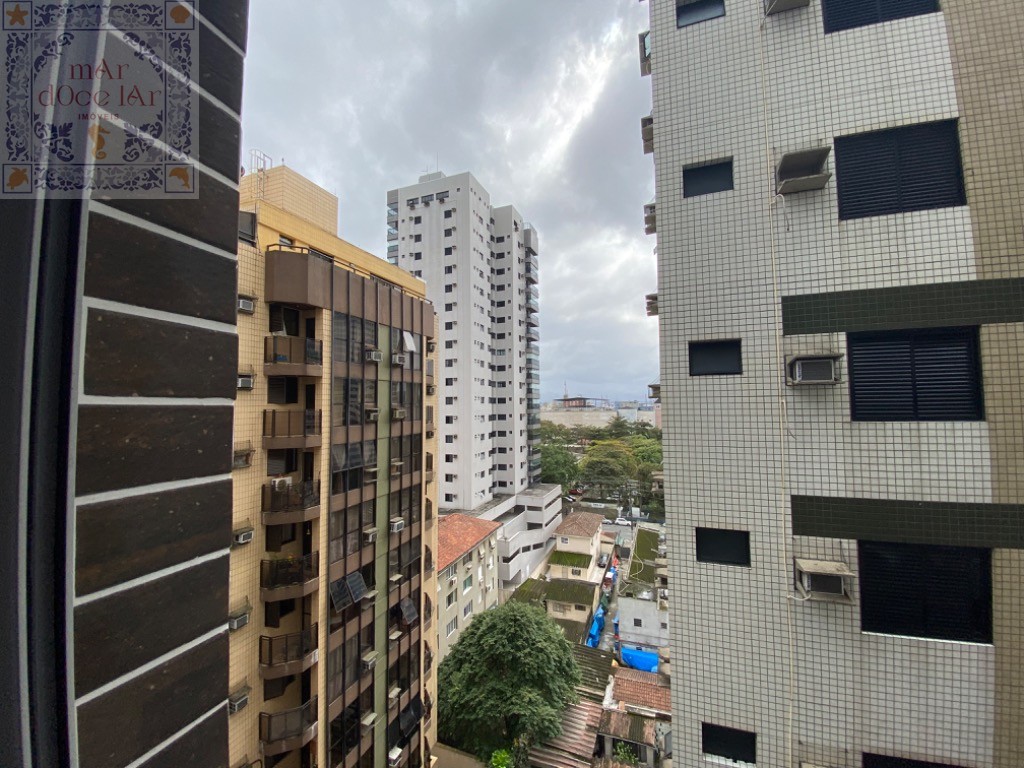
point(540, 99)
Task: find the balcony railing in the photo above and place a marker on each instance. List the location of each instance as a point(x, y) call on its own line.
point(294, 503)
point(291, 429)
point(284, 731)
point(289, 577)
point(292, 350)
point(288, 654)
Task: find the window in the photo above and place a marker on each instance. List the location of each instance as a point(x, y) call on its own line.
point(848, 14)
point(922, 590)
point(730, 743)
point(448, 213)
point(638, 622)
point(913, 168)
point(448, 232)
point(450, 600)
point(715, 358)
point(417, 238)
point(564, 539)
point(452, 626)
point(449, 251)
point(706, 179)
point(715, 545)
point(417, 219)
point(467, 584)
point(468, 609)
point(282, 390)
point(695, 11)
point(576, 572)
point(923, 375)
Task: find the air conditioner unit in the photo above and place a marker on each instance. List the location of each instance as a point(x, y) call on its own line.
point(370, 596)
point(813, 369)
point(245, 381)
point(395, 635)
point(243, 536)
point(431, 346)
point(398, 414)
point(395, 757)
point(238, 701)
point(431, 389)
point(395, 578)
point(238, 620)
point(369, 536)
point(373, 356)
point(398, 359)
point(369, 660)
point(246, 305)
point(451, 582)
point(489, 587)
point(397, 524)
point(367, 723)
point(372, 414)
point(469, 567)
point(281, 483)
point(395, 691)
point(823, 580)
point(369, 475)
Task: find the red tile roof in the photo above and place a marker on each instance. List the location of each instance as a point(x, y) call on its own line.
point(642, 689)
point(580, 524)
point(458, 534)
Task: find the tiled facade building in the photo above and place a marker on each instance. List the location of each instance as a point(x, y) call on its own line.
point(467, 581)
point(334, 505)
point(841, 301)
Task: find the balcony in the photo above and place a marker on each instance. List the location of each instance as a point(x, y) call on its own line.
point(532, 319)
point(650, 218)
point(289, 577)
point(293, 356)
point(532, 305)
point(533, 334)
point(644, 40)
point(647, 133)
point(297, 276)
point(652, 304)
point(284, 731)
point(288, 654)
point(289, 502)
point(291, 429)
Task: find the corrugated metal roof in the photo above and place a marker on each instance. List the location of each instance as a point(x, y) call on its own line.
point(574, 748)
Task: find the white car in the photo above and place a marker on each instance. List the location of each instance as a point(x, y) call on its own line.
point(622, 521)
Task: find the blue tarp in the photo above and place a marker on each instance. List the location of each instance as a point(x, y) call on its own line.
point(596, 628)
point(642, 660)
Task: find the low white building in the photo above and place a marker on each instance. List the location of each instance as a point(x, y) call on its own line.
point(467, 554)
point(643, 593)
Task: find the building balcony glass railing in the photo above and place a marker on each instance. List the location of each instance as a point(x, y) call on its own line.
point(286, 501)
point(292, 429)
point(292, 356)
point(289, 577)
point(288, 654)
point(282, 732)
point(532, 305)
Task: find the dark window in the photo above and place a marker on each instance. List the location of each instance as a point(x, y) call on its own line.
point(847, 14)
point(705, 179)
point(925, 375)
point(694, 11)
point(284, 320)
point(922, 590)
point(731, 743)
point(715, 545)
point(282, 390)
point(715, 358)
point(884, 761)
point(913, 168)
point(247, 226)
point(274, 688)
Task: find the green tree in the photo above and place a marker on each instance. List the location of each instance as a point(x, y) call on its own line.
point(506, 682)
point(646, 450)
point(558, 465)
point(618, 428)
point(555, 433)
point(608, 464)
point(624, 754)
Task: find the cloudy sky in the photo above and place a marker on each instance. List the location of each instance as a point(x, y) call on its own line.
point(540, 99)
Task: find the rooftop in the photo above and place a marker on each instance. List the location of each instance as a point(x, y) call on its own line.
point(458, 534)
point(574, 747)
point(570, 559)
point(570, 591)
point(628, 727)
point(642, 689)
point(581, 524)
point(595, 669)
point(575, 631)
point(645, 551)
point(530, 591)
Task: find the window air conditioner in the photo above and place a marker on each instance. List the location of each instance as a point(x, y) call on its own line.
point(451, 582)
point(245, 381)
point(431, 346)
point(369, 536)
point(823, 580)
point(397, 524)
point(372, 414)
point(395, 579)
point(395, 757)
point(238, 620)
point(243, 536)
point(373, 356)
point(281, 483)
point(398, 359)
point(813, 369)
point(395, 691)
point(246, 305)
point(238, 701)
point(369, 661)
point(431, 389)
point(367, 723)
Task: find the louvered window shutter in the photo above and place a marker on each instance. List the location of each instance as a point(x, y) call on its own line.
point(881, 381)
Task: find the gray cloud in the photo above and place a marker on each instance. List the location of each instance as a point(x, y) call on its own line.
point(541, 100)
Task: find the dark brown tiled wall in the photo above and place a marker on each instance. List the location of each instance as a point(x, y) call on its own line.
point(934, 305)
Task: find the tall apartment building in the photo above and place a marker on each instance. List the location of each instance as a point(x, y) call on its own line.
point(334, 505)
point(840, 296)
point(480, 267)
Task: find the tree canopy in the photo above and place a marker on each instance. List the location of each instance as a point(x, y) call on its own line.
point(506, 682)
point(609, 464)
point(558, 465)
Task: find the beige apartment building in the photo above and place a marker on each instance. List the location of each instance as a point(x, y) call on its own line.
point(331, 657)
point(468, 583)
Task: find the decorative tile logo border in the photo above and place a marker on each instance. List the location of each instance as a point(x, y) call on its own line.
point(97, 98)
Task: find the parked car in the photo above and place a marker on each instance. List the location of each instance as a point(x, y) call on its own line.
point(602, 561)
point(623, 521)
